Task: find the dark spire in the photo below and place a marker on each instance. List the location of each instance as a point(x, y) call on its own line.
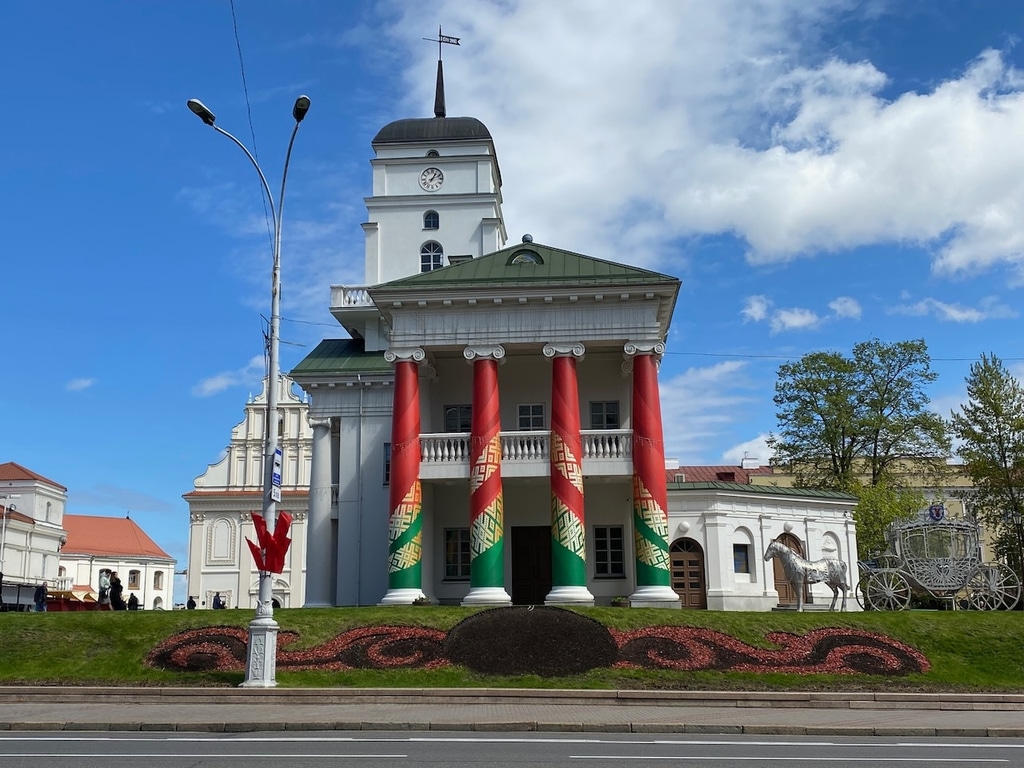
point(439, 109)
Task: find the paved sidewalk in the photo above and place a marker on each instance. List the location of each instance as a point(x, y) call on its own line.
point(276, 709)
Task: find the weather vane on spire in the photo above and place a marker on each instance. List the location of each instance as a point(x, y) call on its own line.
point(440, 40)
point(439, 106)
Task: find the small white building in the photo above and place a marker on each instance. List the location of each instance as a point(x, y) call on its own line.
point(230, 492)
point(98, 544)
point(720, 530)
point(31, 533)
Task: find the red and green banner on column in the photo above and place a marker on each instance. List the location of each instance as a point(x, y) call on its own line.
point(405, 522)
point(486, 503)
point(568, 545)
point(650, 494)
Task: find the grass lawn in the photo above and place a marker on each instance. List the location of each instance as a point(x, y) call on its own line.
point(965, 650)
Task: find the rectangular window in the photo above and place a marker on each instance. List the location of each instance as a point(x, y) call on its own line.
point(134, 579)
point(387, 463)
point(740, 558)
point(604, 414)
point(458, 418)
point(609, 552)
point(456, 554)
point(158, 580)
point(531, 417)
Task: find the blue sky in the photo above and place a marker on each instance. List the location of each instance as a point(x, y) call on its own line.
point(816, 174)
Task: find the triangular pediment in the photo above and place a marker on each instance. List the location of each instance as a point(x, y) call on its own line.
point(526, 265)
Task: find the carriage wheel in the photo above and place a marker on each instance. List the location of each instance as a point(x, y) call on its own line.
point(884, 590)
point(992, 587)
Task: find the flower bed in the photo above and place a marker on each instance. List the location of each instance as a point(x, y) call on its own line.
point(550, 642)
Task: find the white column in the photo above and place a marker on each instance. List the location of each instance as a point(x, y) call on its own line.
point(319, 541)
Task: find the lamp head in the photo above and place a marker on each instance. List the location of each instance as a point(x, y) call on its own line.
point(200, 109)
point(301, 108)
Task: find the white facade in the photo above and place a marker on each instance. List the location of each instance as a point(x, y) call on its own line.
point(722, 518)
point(149, 578)
point(31, 532)
point(442, 325)
point(230, 491)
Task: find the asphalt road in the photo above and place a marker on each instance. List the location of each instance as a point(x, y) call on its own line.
point(494, 750)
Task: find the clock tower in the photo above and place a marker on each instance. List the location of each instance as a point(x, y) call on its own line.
point(436, 195)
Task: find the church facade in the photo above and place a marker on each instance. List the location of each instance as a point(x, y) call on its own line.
point(226, 496)
point(490, 430)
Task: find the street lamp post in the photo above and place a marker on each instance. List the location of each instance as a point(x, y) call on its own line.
point(261, 664)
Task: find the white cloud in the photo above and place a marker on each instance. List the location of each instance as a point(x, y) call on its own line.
point(757, 448)
point(990, 309)
point(755, 308)
point(251, 375)
point(845, 308)
point(794, 318)
point(77, 385)
point(700, 404)
point(722, 118)
point(758, 309)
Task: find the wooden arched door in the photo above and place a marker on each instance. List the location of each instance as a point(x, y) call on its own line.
point(688, 581)
point(787, 595)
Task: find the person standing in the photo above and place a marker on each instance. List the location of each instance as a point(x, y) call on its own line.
point(218, 602)
point(133, 602)
point(116, 593)
point(191, 604)
point(104, 589)
point(40, 597)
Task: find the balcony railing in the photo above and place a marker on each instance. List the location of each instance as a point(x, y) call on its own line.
point(453, 447)
point(350, 296)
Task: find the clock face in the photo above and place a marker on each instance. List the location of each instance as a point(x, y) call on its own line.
point(431, 179)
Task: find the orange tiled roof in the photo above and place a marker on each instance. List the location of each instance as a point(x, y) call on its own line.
point(97, 535)
point(13, 471)
point(727, 473)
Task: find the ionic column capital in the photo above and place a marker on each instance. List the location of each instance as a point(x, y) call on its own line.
point(411, 354)
point(632, 349)
point(565, 350)
point(319, 422)
point(483, 352)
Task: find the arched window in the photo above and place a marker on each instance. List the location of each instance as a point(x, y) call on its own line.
point(431, 220)
point(134, 579)
point(433, 153)
point(431, 256)
point(158, 580)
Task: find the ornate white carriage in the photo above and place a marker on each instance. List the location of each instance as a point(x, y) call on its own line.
point(942, 558)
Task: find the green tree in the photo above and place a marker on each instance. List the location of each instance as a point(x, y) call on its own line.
point(878, 507)
point(841, 417)
point(990, 428)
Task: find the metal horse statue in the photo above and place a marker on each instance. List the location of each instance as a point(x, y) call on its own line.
point(799, 571)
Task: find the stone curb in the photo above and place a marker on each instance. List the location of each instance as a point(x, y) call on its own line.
point(519, 727)
point(527, 696)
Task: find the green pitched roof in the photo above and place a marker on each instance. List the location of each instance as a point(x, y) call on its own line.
point(553, 266)
point(341, 356)
point(767, 490)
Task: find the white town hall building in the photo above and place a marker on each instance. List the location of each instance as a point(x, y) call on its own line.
point(490, 432)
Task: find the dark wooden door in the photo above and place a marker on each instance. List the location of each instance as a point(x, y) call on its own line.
point(688, 573)
point(787, 595)
point(531, 564)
